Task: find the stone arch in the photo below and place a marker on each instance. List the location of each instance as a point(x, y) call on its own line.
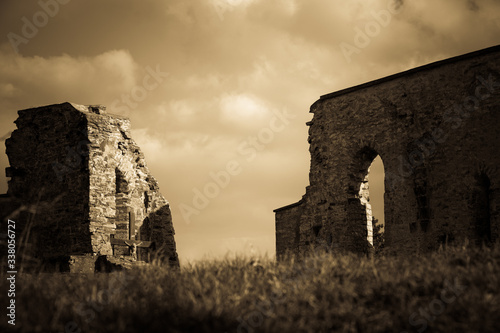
point(359, 210)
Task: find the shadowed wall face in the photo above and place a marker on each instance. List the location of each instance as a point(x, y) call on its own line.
point(48, 188)
point(436, 129)
point(89, 185)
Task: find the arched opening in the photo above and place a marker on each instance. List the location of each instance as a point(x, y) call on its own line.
point(366, 200)
point(371, 195)
point(376, 179)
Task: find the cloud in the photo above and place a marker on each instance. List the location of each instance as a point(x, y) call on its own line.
point(150, 146)
point(223, 6)
point(180, 110)
point(243, 108)
point(472, 5)
point(34, 81)
point(37, 80)
point(7, 90)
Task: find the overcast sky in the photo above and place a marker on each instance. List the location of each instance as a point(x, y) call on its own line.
point(214, 85)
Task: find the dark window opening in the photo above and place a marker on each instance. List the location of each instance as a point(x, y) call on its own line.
point(146, 200)
point(421, 190)
point(122, 219)
point(482, 205)
point(131, 225)
point(121, 183)
point(316, 230)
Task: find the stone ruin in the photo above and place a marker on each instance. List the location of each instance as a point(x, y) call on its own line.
point(81, 193)
point(437, 131)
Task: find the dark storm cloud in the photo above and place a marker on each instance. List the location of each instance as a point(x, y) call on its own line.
point(472, 5)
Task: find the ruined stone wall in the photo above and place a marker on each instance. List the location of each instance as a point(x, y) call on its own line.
point(287, 237)
point(88, 183)
point(437, 130)
point(118, 170)
point(48, 158)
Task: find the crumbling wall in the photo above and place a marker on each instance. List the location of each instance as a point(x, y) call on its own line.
point(79, 181)
point(437, 131)
point(118, 170)
point(48, 172)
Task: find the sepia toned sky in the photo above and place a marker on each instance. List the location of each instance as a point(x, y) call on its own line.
point(218, 91)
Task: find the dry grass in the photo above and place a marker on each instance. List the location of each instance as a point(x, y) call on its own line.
point(457, 290)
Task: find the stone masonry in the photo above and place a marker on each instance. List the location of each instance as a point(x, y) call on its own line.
point(80, 190)
point(437, 131)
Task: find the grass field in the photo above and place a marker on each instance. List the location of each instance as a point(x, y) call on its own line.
point(457, 290)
